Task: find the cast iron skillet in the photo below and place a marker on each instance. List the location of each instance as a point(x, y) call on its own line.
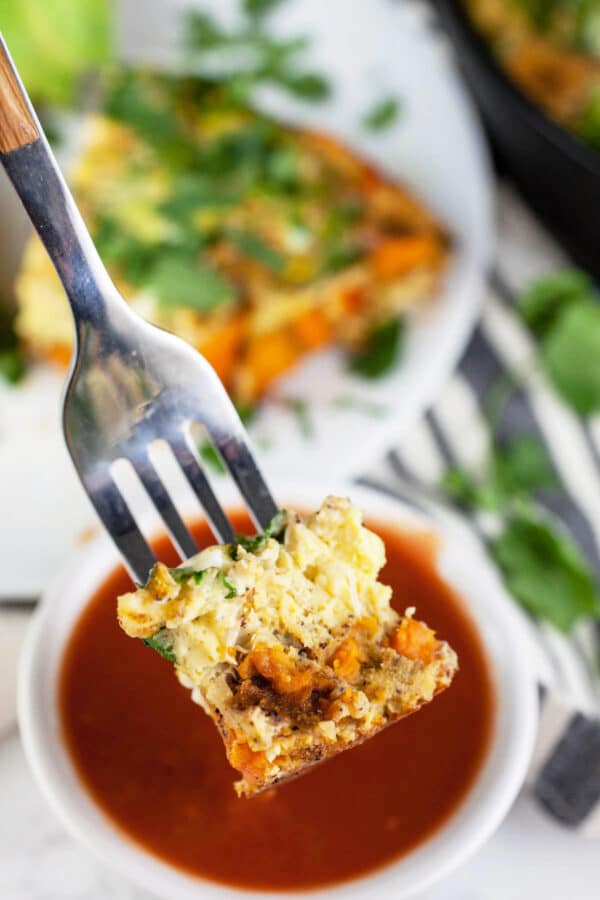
point(557, 174)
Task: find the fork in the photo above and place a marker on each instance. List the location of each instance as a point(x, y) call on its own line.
point(130, 383)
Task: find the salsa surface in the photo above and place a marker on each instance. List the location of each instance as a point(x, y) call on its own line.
point(154, 762)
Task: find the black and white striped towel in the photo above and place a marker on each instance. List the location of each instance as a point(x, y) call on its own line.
point(565, 770)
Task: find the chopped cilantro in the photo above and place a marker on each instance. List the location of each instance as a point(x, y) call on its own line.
point(259, 8)
point(12, 365)
point(179, 281)
point(185, 573)
point(381, 351)
point(12, 359)
point(307, 86)
point(250, 244)
point(230, 591)
point(254, 544)
point(162, 642)
point(382, 115)
point(256, 56)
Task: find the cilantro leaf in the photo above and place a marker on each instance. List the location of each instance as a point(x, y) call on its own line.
point(162, 642)
point(382, 115)
point(254, 544)
point(381, 351)
point(180, 281)
point(546, 297)
point(545, 571)
point(306, 85)
point(524, 466)
point(460, 487)
point(230, 591)
point(12, 365)
point(203, 32)
point(571, 356)
point(253, 246)
point(259, 8)
point(185, 573)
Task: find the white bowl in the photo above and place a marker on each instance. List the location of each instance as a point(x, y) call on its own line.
point(484, 807)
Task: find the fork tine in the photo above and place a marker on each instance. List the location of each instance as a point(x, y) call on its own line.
point(120, 524)
point(178, 531)
point(238, 458)
point(193, 471)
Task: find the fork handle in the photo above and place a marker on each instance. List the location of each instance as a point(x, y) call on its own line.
point(17, 125)
point(31, 167)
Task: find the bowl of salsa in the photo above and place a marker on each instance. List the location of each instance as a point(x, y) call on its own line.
point(138, 772)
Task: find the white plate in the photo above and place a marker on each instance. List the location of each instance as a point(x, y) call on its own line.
point(435, 146)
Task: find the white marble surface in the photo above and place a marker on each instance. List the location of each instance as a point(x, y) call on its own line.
point(530, 858)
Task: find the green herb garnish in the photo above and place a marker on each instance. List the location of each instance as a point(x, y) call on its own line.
point(563, 310)
point(255, 56)
point(230, 591)
point(381, 351)
point(382, 115)
point(182, 574)
point(12, 365)
point(251, 245)
point(185, 573)
point(162, 642)
point(571, 356)
point(179, 281)
point(545, 570)
point(259, 8)
point(541, 565)
point(254, 544)
point(542, 302)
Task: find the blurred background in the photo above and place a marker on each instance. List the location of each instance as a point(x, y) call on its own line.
point(379, 221)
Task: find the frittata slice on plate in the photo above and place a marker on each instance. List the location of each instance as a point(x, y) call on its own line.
point(288, 641)
point(254, 241)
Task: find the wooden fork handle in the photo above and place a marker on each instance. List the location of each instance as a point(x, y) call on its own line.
point(17, 125)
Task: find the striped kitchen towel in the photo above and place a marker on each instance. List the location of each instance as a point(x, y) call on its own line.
point(565, 771)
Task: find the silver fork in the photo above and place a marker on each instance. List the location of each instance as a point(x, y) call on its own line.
point(130, 383)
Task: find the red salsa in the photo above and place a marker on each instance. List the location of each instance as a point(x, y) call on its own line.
point(155, 764)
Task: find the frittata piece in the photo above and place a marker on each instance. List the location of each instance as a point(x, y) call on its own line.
point(288, 641)
point(254, 241)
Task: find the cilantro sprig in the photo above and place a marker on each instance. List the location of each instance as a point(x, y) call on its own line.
point(255, 56)
point(382, 115)
point(381, 350)
point(542, 566)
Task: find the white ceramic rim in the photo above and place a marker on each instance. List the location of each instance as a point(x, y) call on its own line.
point(464, 566)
